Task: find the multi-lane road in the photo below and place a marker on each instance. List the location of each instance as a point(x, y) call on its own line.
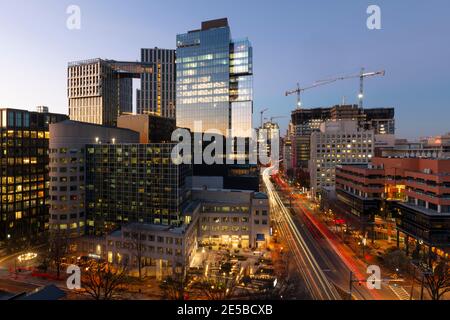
point(318, 285)
point(324, 263)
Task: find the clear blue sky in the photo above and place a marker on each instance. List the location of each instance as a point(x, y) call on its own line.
point(294, 41)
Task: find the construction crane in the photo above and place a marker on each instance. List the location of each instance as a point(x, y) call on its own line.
point(318, 83)
point(262, 112)
point(361, 77)
point(278, 117)
point(299, 90)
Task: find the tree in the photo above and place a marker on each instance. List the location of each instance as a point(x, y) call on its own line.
point(437, 279)
point(58, 246)
point(174, 287)
point(396, 259)
point(219, 288)
point(138, 249)
point(101, 280)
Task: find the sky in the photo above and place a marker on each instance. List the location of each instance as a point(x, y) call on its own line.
point(293, 41)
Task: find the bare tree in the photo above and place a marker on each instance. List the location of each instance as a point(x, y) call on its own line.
point(219, 287)
point(436, 279)
point(58, 245)
point(101, 280)
point(138, 249)
point(175, 287)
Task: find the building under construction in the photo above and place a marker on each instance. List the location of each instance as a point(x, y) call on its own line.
point(307, 121)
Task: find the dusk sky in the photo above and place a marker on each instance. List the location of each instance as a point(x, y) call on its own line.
point(294, 41)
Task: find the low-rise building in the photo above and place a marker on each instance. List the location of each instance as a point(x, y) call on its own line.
point(415, 191)
point(228, 218)
point(236, 218)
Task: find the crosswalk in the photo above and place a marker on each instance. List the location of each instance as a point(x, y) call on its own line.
point(400, 292)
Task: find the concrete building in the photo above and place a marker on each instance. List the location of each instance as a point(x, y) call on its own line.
point(158, 89)
point(437, 147)
point(67, 150)
point(307, 121)
point(415, 191)
point(100, 90)
point(286, 154)
point(152, 128)
point(338, 142)
point(233, 219)
point(216, 218)
point(24, 175)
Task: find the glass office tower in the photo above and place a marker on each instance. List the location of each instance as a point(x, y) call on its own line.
point(215, 87)
point(214, 80)
point(133, 183)
point(24, 175)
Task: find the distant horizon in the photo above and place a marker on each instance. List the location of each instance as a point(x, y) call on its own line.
point(300, 41)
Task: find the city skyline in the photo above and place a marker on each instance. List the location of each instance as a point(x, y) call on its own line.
point(120, 185)
point(410, 47)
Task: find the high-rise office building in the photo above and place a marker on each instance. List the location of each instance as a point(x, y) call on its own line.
point(215, 91)
point(68, 140)
point(133, 183)
point(338, 142)
point(214, 80)
point(157, 93)
point(100, 90)
point(24, 176)
point(307, 121)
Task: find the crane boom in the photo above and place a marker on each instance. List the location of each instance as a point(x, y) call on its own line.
point(361, 77)
point(299, 90)
point(318, 83)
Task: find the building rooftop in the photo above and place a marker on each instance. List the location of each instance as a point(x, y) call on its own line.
point(155, 227)
point(425, 211)
point(260, 195)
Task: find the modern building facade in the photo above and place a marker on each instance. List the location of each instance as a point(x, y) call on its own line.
point(152, 128)
point(158, 90)
point(437, 147)
point(215, 92)
point(338, 142)
point(100, 90)
point(415, 191)
point(236, 219)
point(67, 147)
point(217, 218)
point(214, 80)
point(133, 183)
point(307, 121)
point(24, 174)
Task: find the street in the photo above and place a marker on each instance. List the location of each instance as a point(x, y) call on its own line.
point(330, 261)
point(317, 282)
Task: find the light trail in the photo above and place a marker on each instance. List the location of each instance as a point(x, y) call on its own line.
point(355, 265)
point(316, 280)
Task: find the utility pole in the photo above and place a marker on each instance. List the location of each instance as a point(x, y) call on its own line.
point(351, 285)
point(412, 285)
